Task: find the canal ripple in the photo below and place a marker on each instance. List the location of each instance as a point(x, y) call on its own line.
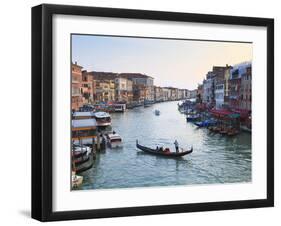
point(215, 159)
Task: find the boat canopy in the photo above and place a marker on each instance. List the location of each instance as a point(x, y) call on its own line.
point(82, 123)
point(243, 113)
point(83, 114)
point(225, 113)
point(114, 136)
point(102, 114)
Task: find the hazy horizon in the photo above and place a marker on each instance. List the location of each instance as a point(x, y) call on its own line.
point(177, 63)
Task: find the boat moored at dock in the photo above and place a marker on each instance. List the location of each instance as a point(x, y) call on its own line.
point(119, 107)
point(114, 140)
point(192, 117)
point(103, 119)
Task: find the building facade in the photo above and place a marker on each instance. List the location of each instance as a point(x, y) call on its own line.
point(246, 90)
point(208, 88)
point(158, 94)
point(123, 90)
point(199, 94)
point(226, 85)
point(76, 92)
point(88, 88)
point(240, 86)
point(219, 94)
point(105, 90)
point(142, 85)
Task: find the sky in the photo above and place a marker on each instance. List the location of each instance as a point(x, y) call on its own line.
point(178, 63)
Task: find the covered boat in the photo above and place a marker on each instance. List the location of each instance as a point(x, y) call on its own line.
point(206, 123)
point(165, 152)
point(114, 140)
point(192, 117)
point(103, 119)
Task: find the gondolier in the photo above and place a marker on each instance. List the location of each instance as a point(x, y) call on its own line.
point(176, 146)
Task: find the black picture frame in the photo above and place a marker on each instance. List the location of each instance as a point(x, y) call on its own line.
point(42, 111)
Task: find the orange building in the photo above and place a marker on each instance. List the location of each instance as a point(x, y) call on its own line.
point(88, 88)
point(76, 85)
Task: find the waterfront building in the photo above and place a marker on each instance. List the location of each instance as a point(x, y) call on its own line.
point(226, 85)
point(166, 94)
point(139, 93)
point(142, 85)
point(76, 92)
point(219, 94)
point(199, 94)
point(123, 90)
point(184, 93)
point(173, 93)
point(105, 90)
point(219, 73)
point(208, 89)
point(158, 94)
point(239, 96)
point(187, 94)
point(246, 89)
point(179, 94)
point(193, 94)
point(88, 85)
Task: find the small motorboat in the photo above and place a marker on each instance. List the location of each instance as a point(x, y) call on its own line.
point(166, 152)
point(192, 117)
point(81, 159)
point(80, 150)
point(205, 123)
point(103, 119)
point(114, 140)
point(157, 112)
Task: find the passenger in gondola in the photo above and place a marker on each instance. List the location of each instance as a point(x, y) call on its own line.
point(161, 149)
point(167, 150)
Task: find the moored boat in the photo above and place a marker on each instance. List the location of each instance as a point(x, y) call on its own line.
point(80, 151)
point(206, 123)
point(114, 140)
point(166, 152)
point(103, 119)
point(192, 117)
point(148, 103)
point(119, 107)
point(86, 165)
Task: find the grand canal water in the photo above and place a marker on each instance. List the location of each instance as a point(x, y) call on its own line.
point(215, 158)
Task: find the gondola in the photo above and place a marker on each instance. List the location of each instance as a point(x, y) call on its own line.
point(162, 153)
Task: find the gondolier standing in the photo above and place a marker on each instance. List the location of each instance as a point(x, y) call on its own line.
point(177, 146)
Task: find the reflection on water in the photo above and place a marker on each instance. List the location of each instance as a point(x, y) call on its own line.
point(215, 158)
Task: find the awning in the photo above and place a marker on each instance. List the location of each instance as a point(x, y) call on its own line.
point(225, 113)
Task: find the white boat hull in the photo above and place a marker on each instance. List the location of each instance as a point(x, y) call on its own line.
point(115, 145)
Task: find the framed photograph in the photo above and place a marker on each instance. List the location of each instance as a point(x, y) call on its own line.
point(145, 112)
